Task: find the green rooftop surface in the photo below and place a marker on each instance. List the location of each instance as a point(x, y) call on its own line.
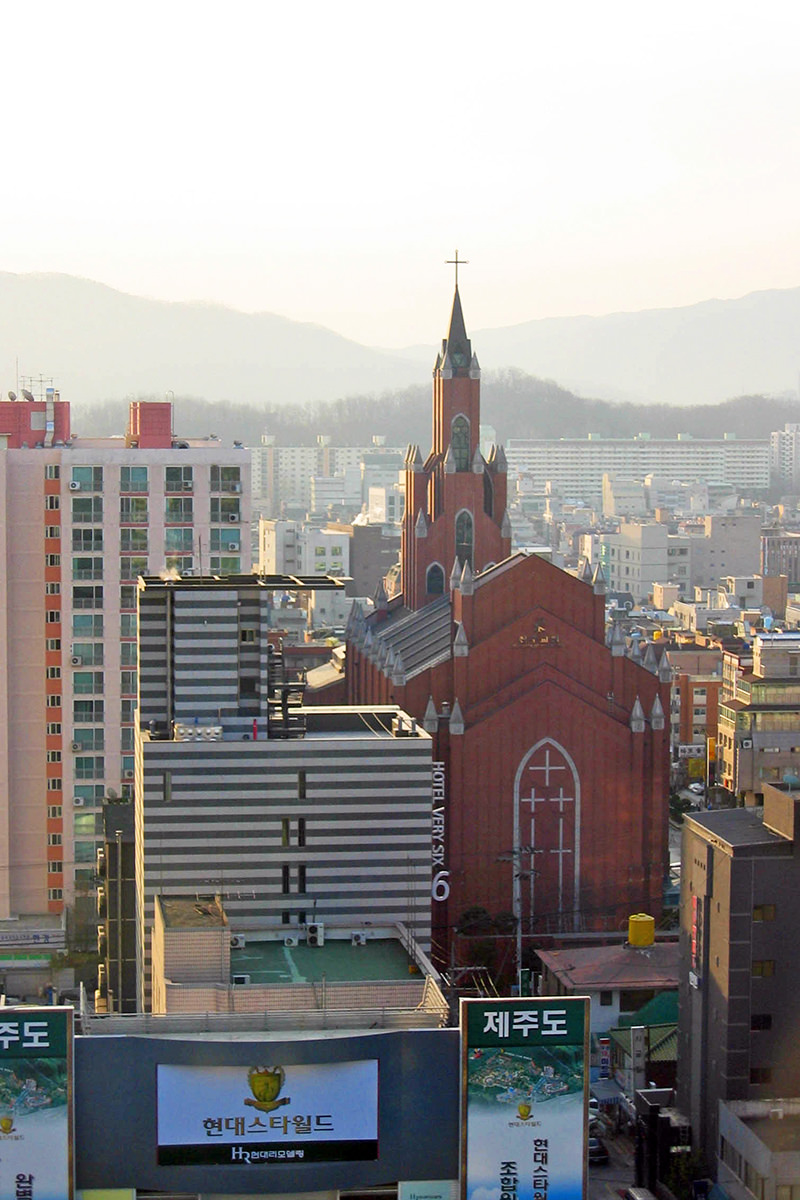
point(336, 960)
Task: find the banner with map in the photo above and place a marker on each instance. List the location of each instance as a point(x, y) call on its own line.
point(525, 1066)
point(35, 1103)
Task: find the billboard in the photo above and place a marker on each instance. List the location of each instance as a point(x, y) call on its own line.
point(36, 1103)
point(524, 1092)
point(327, 1112)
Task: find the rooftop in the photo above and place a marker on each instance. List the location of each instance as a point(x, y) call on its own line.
point(609, 967)
point(735, 827)
point(335, 961)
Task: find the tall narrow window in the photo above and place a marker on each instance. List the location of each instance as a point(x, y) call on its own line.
point(301, 831)
point(459, 441)
point(434, 580)
point(285, 831)
point(301, 785)
point(285, 879)
point(464, 537)
point(301, 879)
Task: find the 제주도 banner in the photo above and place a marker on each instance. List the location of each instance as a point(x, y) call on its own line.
point(36, 1103)
point(524, 1073)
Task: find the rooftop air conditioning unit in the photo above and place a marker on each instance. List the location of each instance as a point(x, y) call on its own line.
point(239, 979)
point(78, 802)
point(238, 941)
point(291, 940)
point(233, 518)
point(747, 743)
point(128, 774)
point(233, 546)
point(74, 486)
point(315, 934)
point(358, 939)
point(76, 660)
point(76, 747)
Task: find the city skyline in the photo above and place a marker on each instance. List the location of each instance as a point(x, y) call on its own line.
point(323, 165)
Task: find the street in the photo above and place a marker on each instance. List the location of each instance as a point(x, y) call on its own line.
point(608, 1182)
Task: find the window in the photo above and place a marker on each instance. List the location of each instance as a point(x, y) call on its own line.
point(301, 785)
point(127, 683)
point(54, 839)
point(128, 652)
point(52, 531)
point(88, 712)
point(301, 879)
point(130, 568)
point(230, 540)
point(225, 510)
point(53, 756)
point(759, 1075)
point(52, 589)
point(179, 509)
point(89, 739)
point(54, 644)
point(133, 540)
point(85, 683)
point(89, 479)
point(128, 625)
point(54, 784)
point(87, 596)
point(459, 442)
point(52, 560)
point(763, 968)
point(286, 831)
point(54, 894)
point(764, 912)
point(247, 636)
point(54, 729)
point(87, 510)
point(52, 502)
point(301, 831)
point(434, 580)
point(127, 596)
point(285, 879)
point(128, 711)
point(225, 566)
point(126, 740)
point(178, 540)
point(464, 537)
point(133, 510)
point(226, 479)
point(89, 767)
point(52, 471)
point(178, 479)
point(54, 812)
point(606, 998)
point(87, 568)
point(53, 616)
point(53, 701)
point(53, 673)
point(133, 479)
point(760, 1021)
point(90, 653)
point(90, 793)
point(88, 541)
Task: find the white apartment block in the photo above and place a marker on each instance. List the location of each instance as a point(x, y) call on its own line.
point(784, 455)
point(283, 474)
point(576, 465)
point(80, 520)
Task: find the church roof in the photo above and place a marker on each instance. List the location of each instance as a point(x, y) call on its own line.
point(421, 639)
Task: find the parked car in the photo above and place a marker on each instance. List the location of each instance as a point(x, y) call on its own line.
point(598, 1151)
point(697, 788)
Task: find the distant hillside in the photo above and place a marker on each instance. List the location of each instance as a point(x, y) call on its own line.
point(516, 404)
point(99, 344)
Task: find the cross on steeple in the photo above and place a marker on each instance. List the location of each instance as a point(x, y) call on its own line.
point(456, 262)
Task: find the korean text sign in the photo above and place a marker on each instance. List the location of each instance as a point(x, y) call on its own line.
point(524, 1080)
point(36, 1103)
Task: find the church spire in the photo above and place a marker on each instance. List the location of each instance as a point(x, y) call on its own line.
point(457, 345)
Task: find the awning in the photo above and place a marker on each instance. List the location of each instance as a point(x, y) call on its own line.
point(606, 1091)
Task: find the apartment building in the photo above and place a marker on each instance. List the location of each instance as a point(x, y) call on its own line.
point(284, 474)
point(784, 456)
point(759, 718)
point(576, 465)
point(291, 814)
point(80, 520)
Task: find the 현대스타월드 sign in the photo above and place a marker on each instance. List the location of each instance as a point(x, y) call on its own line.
point(325, 1112)
point(36, 1102)
point(524, 1070)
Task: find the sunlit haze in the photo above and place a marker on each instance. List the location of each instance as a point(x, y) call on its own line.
point(322, 161)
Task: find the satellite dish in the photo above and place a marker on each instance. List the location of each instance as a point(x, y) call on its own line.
point(26, 395)
point(112, 794)
point(12, 395)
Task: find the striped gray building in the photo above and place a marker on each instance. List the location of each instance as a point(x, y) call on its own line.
point(294, 815)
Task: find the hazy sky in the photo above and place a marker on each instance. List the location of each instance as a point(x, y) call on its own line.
point(321, 161)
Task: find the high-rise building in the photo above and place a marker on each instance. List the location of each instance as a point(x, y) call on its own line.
point(80, 520)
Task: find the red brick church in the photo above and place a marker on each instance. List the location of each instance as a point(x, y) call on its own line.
point(551, 798)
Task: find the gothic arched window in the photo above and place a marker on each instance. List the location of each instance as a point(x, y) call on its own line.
point(459, 440)
point(464, 537)
point(434, 580)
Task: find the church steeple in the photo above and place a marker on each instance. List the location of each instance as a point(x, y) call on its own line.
point(456, 346)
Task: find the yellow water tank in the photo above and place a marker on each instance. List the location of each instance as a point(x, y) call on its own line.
point(641, 930)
